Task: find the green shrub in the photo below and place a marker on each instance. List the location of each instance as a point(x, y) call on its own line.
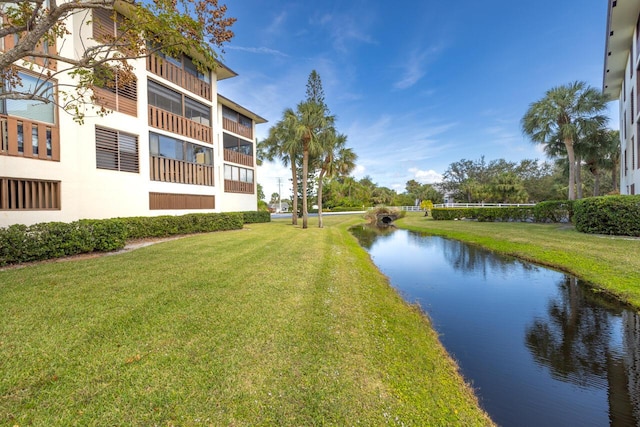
point(485, 214)
point(553, 211)
point(21, 243)
point(252, 217)
point(618, 215)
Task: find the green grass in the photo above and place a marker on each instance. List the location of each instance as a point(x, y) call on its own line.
point(610, 264)
point(270, 325)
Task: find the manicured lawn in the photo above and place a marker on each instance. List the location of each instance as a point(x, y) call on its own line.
point(271, 325)
point(611, 264)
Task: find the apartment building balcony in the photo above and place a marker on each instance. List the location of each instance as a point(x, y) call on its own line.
point(29, 138)
point(239, 158)
point(171, 170)
point(237, 128)
point(238, 187)
point(165, 120)
point(175, 74)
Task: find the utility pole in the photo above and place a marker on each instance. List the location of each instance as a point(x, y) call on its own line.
point(279, 197)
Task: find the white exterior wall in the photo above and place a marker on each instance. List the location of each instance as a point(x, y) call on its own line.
point(620, 81)
point(629, 167)
point(89, 192)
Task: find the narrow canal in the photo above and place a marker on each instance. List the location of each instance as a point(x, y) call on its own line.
point(538, 347)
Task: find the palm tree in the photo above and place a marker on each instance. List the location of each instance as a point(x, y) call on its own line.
point(336, 160)
point(311, 127)
point(565, 113)
point(282, 144)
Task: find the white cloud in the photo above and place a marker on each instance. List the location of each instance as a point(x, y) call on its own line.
point(260, 50)
point(415, 66)
point(426, 176)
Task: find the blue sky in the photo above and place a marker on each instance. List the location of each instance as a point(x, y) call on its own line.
point(415, 85)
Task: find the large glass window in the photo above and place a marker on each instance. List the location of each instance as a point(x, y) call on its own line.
point(235, 173)
point(197, 112)
point(31, 109)
point(236, 117)
point(165, 146)
point(165, 98)
point(236, 144)
point(172, 101)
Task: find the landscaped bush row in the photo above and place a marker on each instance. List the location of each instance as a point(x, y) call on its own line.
point(21, 243)
point(484, 214)
point(551, 211)
point(618, 215)
point(252, 217)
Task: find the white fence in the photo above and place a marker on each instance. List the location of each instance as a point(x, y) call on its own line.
point(481, 205)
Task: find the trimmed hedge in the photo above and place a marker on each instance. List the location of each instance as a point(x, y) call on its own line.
point(618, 215)
point(506, 214)
point(20, 243)
point(551, 211)
point(252, 217)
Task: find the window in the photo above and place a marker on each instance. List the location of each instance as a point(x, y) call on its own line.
point(172, 101)
point(165, 98)
point(31, 109)
point(236, 144)
point(234, 173)
point(116, 150)
point(191, 68)
point(165, 146)
point(197, 112)
point(236, 117)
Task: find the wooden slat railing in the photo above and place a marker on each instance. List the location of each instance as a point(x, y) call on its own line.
point(177, 75)
point(180, 201)
point(29, 194)
point(240, 158)
point(162, 119)
point(237, 128)
point(10, 135)
point(172, 170)
point(238, 187)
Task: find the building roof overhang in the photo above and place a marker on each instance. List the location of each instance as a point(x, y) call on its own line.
point(622, 16)
point(222, 71)
point(240, 109)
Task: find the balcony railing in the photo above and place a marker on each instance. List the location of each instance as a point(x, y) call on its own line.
point(172, 170)
point(179, 76)
point(240, 158)
point(237, 128)
point(238, 187)
point(170, 122)
point(28, 138)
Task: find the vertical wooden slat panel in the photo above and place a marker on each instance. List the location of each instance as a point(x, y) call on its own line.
point(42, 141)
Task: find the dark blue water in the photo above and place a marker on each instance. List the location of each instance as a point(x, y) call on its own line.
point(538, 346)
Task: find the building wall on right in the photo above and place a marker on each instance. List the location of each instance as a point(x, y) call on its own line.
point(621, 76)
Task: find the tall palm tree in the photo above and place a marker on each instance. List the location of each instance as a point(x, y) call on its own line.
point(282, 144)
point(311, 127)
point(336, 160)
point(565, 113)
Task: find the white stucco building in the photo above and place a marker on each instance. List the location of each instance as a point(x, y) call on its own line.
point(621, 77)
point(172, 144)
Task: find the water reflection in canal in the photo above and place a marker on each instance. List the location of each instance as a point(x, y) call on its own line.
point(539, 348)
